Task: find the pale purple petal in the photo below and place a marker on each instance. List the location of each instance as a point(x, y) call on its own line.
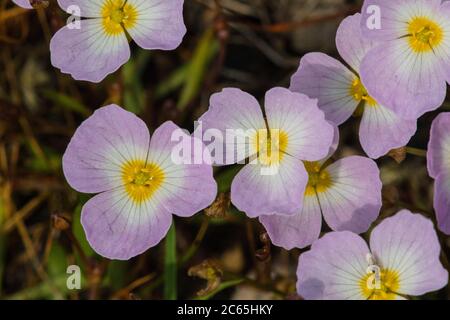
point(296, 231)
point(333, 268)
point(408, 245)
point(88, 53)
point(101, 146)
point(353, 201)
point(326, 79)
point(442, 202)
point(351, 44)
point(188, 187)
point(232, 109)
point(309, 134)
point(394, 16)
point(443, 51)
point(438, 156)
point(159, 24)
point(381, 130)
point(334, 146)
point(87, 8)
point(23, 3)
point(118, 228)
point(410, 84)
point(257, 193)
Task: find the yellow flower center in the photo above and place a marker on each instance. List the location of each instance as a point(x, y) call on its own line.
point(118, 15)
point(141, 180)
point(359, 93)
point(424, 34)
point(270, 146)
point(319, 179)
point(384, 289)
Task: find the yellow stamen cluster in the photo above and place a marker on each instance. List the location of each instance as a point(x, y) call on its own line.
point(141, 179)
point(424, 34)
point(117, 15)
point(387, 288)
point(319, 179)
point(270, 146)
point(359, 93)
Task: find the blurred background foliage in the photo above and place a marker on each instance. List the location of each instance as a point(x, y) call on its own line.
point(251, 44)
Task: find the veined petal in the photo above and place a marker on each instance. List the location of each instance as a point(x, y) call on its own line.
point(119, 228)
point(352, 201)
point(438, 156)
point(187, 187)
point(351, 44)
point(88, 8)
point(111, 137)
point(326, 79)
point(394, 16)
point(443, 51)
point(23, 3)
point(309, 135)
point(409, 83)
point(333, 268)
point(159, 24)
point(233, 111)
point(381, 130)
point(297, 231)
point(258, 190)
point(334, 146)
point(88, 53)
point(407, 245)
point(442, 202)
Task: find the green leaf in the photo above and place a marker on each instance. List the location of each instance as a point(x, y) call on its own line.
point(225, 178)
point(170, 265)
point(134, 93)
point(78, 231)
point(222, 286)
point(205, 51)
point(116, 274)
point(66, 102)
point(173, 82)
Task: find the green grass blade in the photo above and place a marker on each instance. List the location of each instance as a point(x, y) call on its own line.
point(170, 265)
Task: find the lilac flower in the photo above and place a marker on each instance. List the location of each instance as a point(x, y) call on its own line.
point(23, 3)
point(403, 260)
point(139, 185)
point(407, 71)
point(340, 91)
point(294, 128)
point(100, 46)
point(347, 193)
point(439, 168)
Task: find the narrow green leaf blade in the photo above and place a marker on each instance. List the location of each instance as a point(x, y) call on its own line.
point(170, 265)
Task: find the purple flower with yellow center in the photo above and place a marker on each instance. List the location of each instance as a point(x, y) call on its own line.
point(100, 45)
point(292, 129)
point(139, 186)
point(23, 3)
point(403, 260)
point(438, 158)
point(407, 70)
point(347, 193)
point(341, 92)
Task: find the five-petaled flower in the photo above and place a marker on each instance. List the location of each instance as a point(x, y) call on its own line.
point(139, 185)
point(438, 157)
point(407, 70)
point(403, 260)
point(100, 46)
point(340, 92)
point(346, 192)
point(293, 129)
